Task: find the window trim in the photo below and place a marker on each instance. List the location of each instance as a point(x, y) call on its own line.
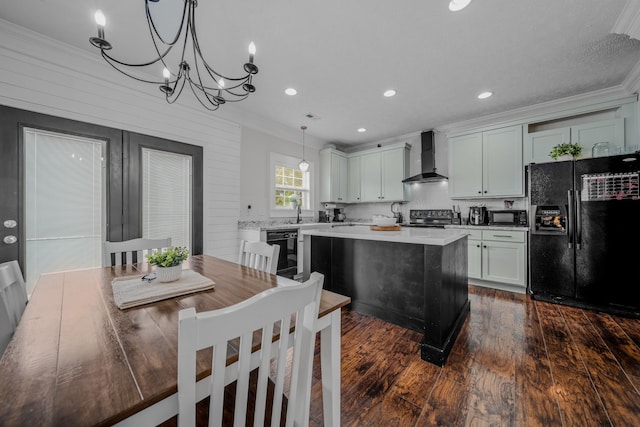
point(291, 162)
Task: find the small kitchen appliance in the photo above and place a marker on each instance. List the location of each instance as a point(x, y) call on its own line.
point(478, 215)
point(323, 216)
point(512, 217)
point(430, 217)
point(338, 215)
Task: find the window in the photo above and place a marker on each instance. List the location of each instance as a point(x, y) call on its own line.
point(289, 184)
point(166, 196)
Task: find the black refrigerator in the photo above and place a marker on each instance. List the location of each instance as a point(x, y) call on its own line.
point(585, 230)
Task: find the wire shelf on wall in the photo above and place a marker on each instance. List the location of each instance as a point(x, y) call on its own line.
point(614, 186)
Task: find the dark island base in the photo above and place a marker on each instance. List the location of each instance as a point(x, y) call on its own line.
point(420, 287)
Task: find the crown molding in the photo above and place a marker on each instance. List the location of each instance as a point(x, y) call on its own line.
point(629, 20)
point(590, 101)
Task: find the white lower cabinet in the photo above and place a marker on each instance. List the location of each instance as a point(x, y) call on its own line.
point(498, 256)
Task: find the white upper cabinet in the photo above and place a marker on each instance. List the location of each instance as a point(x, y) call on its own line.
point(589, 134)
point(381, 175)
point(373, 175)
point(333, 176)
point(487, 164)
point(353, 171)
point(537, 145)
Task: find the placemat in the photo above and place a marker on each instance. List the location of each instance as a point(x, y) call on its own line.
point(131, 291)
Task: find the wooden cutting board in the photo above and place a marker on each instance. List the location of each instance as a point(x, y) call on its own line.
point(385, 227)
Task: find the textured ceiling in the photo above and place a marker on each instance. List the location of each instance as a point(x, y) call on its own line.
point(341, 55)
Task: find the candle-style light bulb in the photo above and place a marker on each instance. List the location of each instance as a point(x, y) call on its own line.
point(166, 74)
point(221, 83)
point(252, 51)
point(100, 19)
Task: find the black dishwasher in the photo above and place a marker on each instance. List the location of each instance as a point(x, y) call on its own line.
point(287, 239)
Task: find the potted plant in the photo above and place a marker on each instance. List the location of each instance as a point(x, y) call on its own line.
point(168, 263)
point(565, 151)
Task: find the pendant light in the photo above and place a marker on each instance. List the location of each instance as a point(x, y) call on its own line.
point(303, 165)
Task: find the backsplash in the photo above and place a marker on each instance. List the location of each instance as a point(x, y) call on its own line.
point(429, 196)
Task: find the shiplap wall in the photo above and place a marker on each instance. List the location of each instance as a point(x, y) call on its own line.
point(45, 76)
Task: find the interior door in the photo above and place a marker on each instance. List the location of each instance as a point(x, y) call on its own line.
point(13, 123)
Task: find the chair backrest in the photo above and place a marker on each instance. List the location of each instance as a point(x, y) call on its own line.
point(270, 311)
point(131, 251)
point(259, 255)
point(13, 300)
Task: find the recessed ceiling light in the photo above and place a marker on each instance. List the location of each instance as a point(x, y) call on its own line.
point(484, 95)
point(290, 91)
point(389, 93)
point(456, 5)
point(362, 130)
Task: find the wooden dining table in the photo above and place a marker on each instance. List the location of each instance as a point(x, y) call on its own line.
point(77, 359)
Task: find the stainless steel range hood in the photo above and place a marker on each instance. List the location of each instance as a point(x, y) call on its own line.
point(428, 157)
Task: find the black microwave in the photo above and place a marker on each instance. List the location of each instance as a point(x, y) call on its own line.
point(508, 217)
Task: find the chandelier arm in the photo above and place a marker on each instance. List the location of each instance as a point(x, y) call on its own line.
point(175, 95)
point(187, 4)
point(211, 98)
point(109, 60)
point(142, 64)
point(210, 69)
point(214, 105)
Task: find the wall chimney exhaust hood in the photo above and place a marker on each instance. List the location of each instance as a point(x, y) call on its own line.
point(428, 157)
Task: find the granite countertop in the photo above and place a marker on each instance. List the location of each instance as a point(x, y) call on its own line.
point(422, 236)
point(275, 224)
point(487, 227)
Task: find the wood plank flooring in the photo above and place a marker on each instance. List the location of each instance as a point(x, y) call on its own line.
point(516, 362)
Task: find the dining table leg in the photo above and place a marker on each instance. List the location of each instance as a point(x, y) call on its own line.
point(330, 367)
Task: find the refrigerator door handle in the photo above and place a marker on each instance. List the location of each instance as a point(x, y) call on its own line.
point(578, 222)
point(570, 219)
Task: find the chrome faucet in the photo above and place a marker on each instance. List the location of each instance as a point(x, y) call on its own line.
point(298, 211)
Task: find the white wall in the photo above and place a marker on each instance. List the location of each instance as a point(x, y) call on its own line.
point(45, 76)
point(255, 171)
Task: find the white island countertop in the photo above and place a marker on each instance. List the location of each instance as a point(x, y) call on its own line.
point(415, 235)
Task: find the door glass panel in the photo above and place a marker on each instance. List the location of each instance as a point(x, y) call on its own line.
point(166, 196)
point(64, 203)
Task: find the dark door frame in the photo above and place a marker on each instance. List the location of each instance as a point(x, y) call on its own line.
point(123, 200)
point(132, 209)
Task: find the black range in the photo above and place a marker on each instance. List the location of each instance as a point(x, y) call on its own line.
point(437, 218)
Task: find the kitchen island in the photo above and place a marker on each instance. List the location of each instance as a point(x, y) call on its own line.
point(414, 277)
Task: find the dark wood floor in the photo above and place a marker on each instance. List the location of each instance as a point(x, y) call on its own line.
point(516, 362)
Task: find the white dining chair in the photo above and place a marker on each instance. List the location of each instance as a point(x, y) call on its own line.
point(259, 255)
point(13, 300)
point(267, 311)
point(131, 251)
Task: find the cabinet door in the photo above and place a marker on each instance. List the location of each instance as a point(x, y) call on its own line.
point(589, 134)
point(370, 177)
point(338, 178)
point(504, 262)
point(343, 188)
point(353, 170)
point(502, 166)
point(393, 172)
point(465, 166)
point(538, 145)
point(475, 259)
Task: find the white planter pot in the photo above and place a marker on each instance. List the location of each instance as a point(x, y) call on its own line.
point(168, 274)
point(564, 157)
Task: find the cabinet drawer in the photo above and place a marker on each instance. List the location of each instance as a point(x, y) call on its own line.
point(503, 236)
point(474, 234)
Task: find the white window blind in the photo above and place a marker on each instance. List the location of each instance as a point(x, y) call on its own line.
point(64, 203)
point(166, 196)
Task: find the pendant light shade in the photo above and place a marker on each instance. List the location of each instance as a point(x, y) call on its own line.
point(303, 165)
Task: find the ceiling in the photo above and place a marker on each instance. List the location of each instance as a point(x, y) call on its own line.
point(342, 55)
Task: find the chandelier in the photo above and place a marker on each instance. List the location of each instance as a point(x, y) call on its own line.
point(169, 21)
